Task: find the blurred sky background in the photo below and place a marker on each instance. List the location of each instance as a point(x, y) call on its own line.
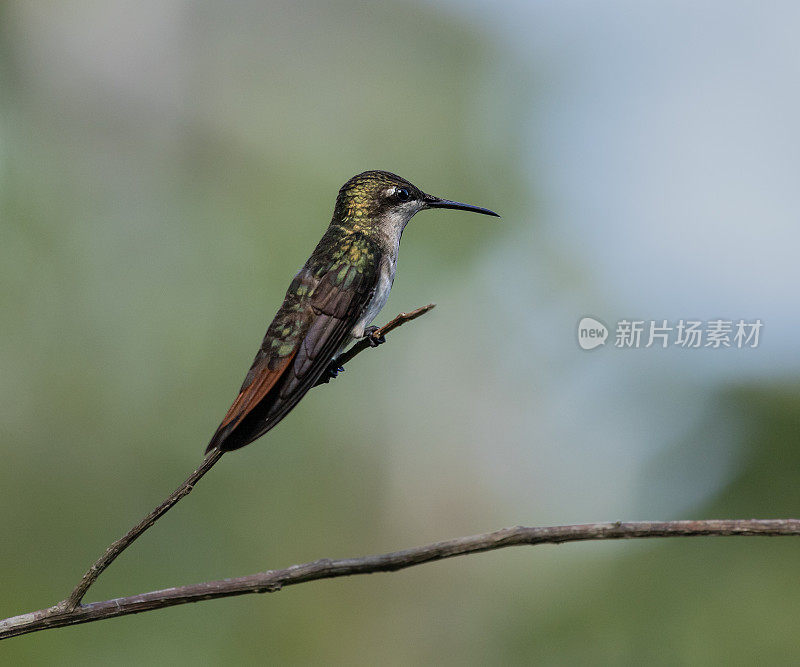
point(166, 167)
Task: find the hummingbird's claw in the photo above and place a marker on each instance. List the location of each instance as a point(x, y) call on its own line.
point(372, 339)
point(330, 373)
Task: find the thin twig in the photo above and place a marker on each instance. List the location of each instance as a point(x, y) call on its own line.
point(398, 321)
point(115, 549)
point(274, 580)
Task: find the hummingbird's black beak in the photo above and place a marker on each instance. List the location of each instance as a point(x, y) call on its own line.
point(435, 202)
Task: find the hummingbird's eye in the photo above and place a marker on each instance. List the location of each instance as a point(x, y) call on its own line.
point(402, 194)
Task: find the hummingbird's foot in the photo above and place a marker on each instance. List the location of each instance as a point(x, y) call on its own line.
point(372, 339)
point(333, 370)
point(330, 373)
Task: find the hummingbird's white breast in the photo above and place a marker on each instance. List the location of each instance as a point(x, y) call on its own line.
point(378, 301)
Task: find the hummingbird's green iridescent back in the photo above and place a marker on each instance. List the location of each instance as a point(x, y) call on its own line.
point(322, 304)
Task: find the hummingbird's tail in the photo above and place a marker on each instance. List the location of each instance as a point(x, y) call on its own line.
point(230, 437)
point(235, 435)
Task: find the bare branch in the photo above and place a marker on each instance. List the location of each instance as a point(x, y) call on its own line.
point(274, 580)
point(115, 549)
point(398, 321)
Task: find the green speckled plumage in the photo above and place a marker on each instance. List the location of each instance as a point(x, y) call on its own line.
point(323, 303)
point(359, 203)
point(338, 291)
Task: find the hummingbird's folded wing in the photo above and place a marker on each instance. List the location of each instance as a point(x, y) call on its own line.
point(323, 304)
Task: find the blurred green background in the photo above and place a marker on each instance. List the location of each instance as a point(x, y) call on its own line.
point(165, 168)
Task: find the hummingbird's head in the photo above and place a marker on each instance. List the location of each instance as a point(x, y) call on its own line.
point(382, 200)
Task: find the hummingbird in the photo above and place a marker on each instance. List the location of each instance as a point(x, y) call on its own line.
point(330, 303)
